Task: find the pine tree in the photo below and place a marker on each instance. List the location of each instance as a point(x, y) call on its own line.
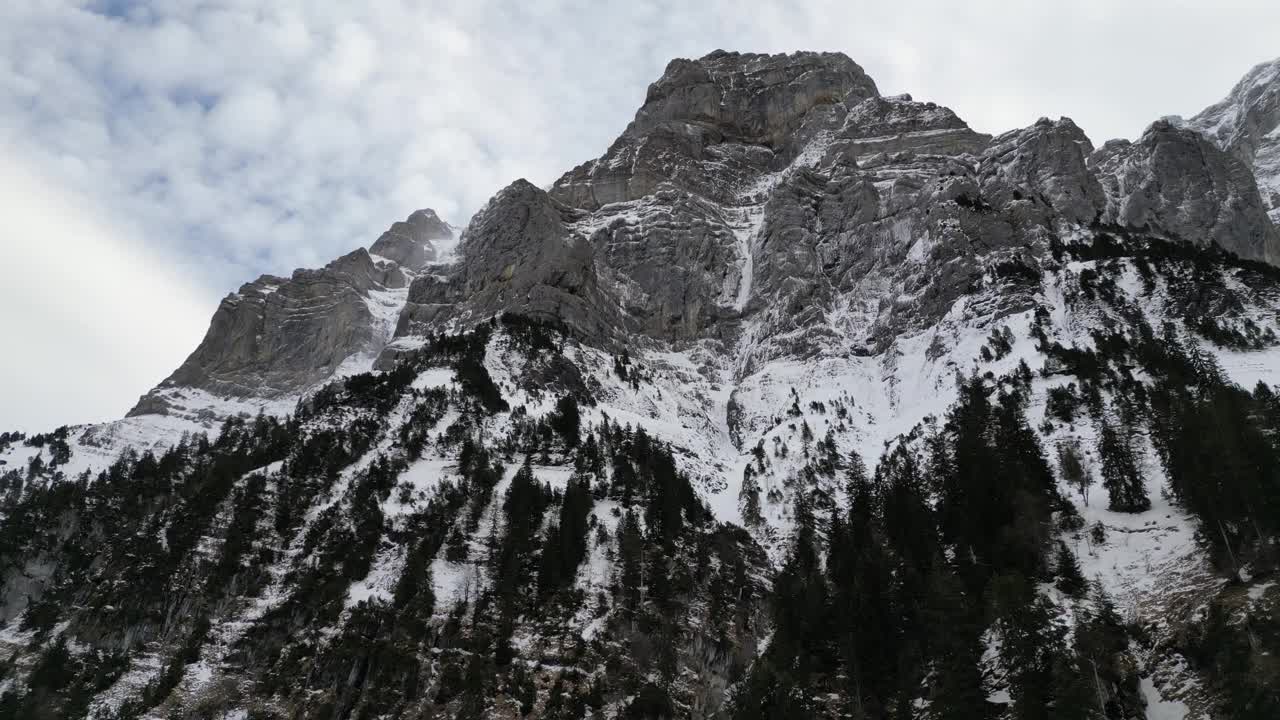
point(1070, 580)
point(749, 497)
point(955, 688)
point(863, 616)
point(631, 558)
point(1030, 643)
point(566, 419)
point(1126, 488)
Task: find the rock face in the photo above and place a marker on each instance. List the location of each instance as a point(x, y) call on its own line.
point(778, 205)
point(517, 252)
point(411, 243)
point(1173, 180)
point(743, 112)
point(1245, 124)
point(277, 337)
point(783, 197)
point(1049, 160)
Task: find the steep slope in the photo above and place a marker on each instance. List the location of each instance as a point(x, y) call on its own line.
point(277, 337)
point(610, 462)
point(1245, 124)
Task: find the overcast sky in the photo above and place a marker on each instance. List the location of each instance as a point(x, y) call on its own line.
point(155, 155)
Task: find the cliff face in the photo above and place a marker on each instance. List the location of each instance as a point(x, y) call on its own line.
point(770, 194)
point(756, 201)
point(277, 337)
point(1244, 124)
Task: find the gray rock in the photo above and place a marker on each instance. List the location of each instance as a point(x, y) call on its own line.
point(411, 243)
point(277, 336)
point(1175, 182)
point(1245, 124)
point(741, 111)
point(1048, 161)
point(517, 254)
point(892, 125)
point(773, 205)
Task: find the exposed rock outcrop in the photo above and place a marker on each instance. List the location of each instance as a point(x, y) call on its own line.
point(1049, 160)
point(1174, 181)
point(411, 243)
point(741, 111)
point(277, 337)
point(518, 253)
point(1246, 124)
point(776, 204)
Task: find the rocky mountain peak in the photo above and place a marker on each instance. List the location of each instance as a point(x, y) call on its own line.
point(1049, 159)
point(1241, 121)
point(714, 124)
point(1176, 181)
point(1246, 124)
point(751, 98)
point(411, 243)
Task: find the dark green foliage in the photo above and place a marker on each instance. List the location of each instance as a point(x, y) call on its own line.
point(475, 381)
point(935, 549)
point(652, 703)
point(1218, 444)
point(1032, 646)
point(513, 564)
point(1069, 578)
point(426, 412)
point(565, 421)
point(1121, 476)
point(749, 497)
point(482, 473)
point(62, 684)
point(631, 558)
point(534, 334)
point(566, 544)
point(996, 488)
point(1062, 403)
point(1238, 649)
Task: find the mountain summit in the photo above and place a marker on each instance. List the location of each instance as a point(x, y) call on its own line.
point(1245, 124)
point(801, 401)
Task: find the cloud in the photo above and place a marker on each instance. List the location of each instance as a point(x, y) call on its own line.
point(90, 319)
point(246, 119)
point(240, 137)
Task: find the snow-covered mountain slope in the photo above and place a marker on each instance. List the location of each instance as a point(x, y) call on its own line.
point(602, 459)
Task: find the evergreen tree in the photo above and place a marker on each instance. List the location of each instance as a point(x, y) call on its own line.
point(565, 545)
point(566, 419)
point(1031, 644)
point(1121, 476)
point(955, 689)
point(631, 559)
point(749, 497)
point(1070, 580)
point(863, 614)
point(523, 507)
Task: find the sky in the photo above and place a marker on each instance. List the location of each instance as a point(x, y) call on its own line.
point(156, 155)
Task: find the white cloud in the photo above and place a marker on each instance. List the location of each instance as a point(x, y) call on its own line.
point(247, 136)
point(90, 320)
point(246, 119)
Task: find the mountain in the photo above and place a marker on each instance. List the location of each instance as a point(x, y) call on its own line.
point(1245, 124)
point(800, 401)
